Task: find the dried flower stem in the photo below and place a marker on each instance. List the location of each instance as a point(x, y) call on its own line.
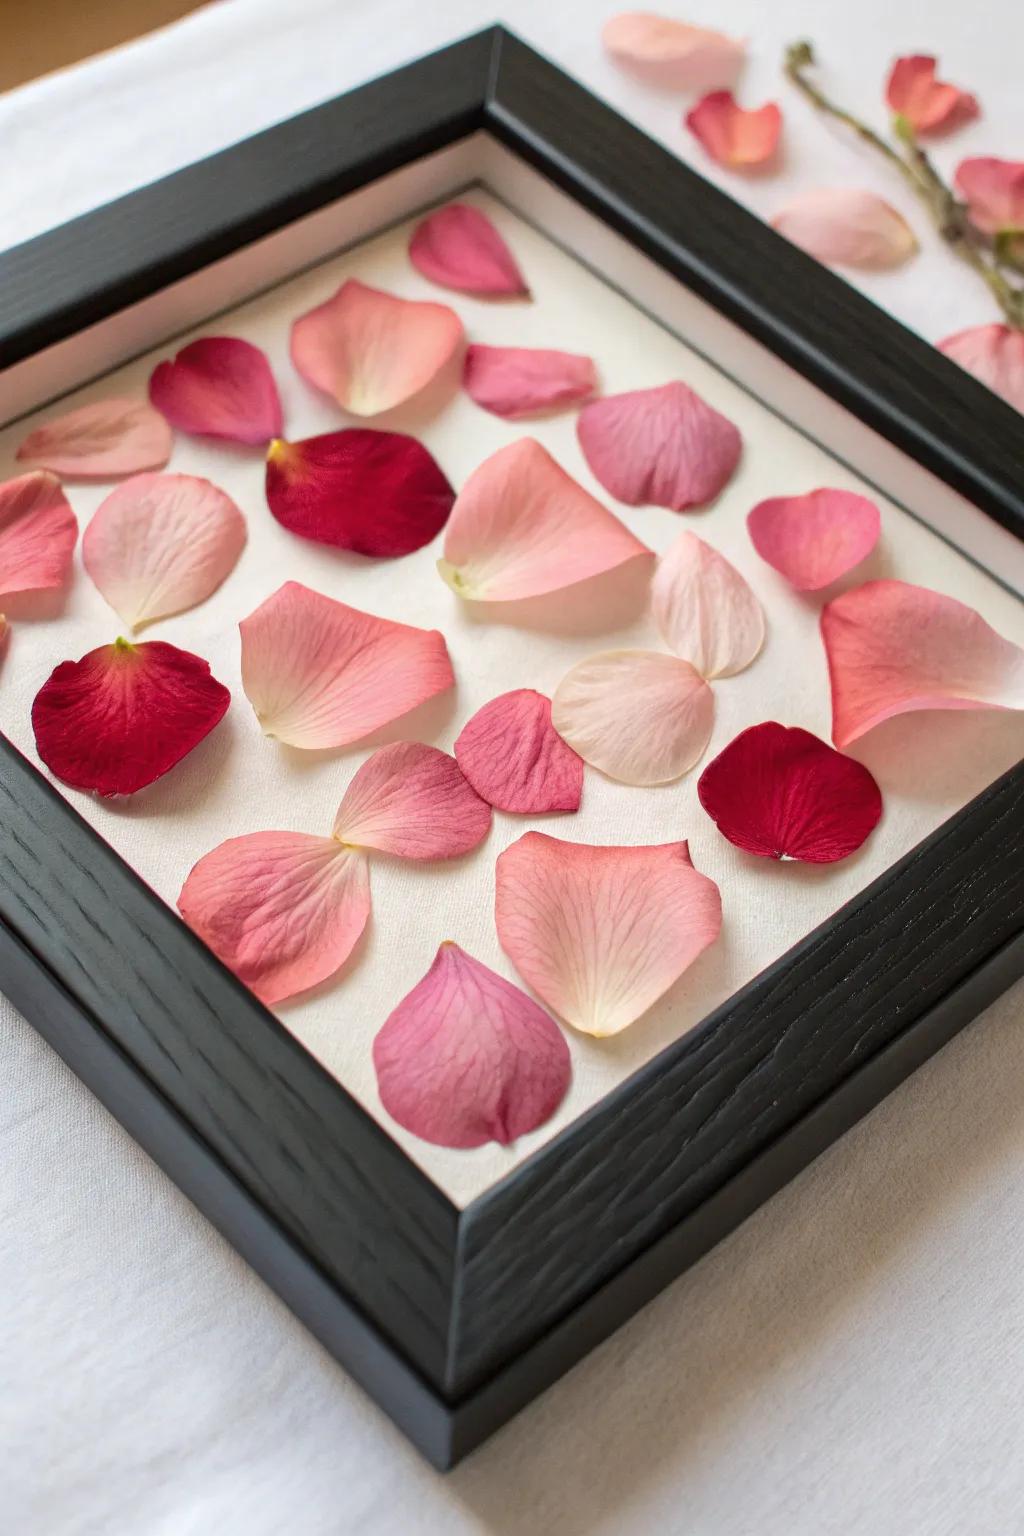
point(947, 213)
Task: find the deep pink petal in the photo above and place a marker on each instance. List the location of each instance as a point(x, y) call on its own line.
point(927, 104)
point(460, 248)
point(993, 190)
point(281, 909)
point(672, 54)
point(814, 539)
point(515, 759)
point(705, 610)
point(995, 355)
point(321, 674)
point(522, 527)
point(125, 715)
point(846, 227)
point(601, 933)
point(219, 386)
point(378, 493)
point(662, 446)
point(467, 1058)
point(102, 441)
point(779, 792)
point(372, 351)
point(162, 543)
point(515, 382)
point(735, 137)
point(37, 534)
point(893, 648)
point(412, 800)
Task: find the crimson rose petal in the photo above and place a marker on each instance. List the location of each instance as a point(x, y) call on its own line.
point(219, 386)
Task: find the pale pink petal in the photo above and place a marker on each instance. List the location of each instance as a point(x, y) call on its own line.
point(672, 54)
point(814, 539)
point(460, 248)
point(601, 933)
point(705, 611)
point(467, 1058)
point(102, 441)
point(283, 910)
point(738, 138)
point(412, 800)
point(663, 446)
point(321, 674)
point(926, 104)
point(893, 648)
point(515, 759)
point(994, 193)
point(522, 381)
point(640, 716)
point(995, 355)
point(160, 544)
point(372, 351)
point(847, 228)
point(219, 386)
point(521, 527)
point(37, 534)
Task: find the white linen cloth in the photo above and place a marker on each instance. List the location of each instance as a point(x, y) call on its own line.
point(849, 1361)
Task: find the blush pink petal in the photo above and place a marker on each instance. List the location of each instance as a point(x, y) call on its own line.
point(814, 539)
point(994, 193)
point(640, 716)
point(102, 441)
point(672, 54)
point(283, 910)
point(37, 534)
point(459, 247)
point(515, 759)
point(160, 544)
point(738, 138)
point(521, 527)
point(370, 350)
point(705, 610)
point(522, 381)
point(321, 674)
point(662, 446)
point(219, 386)
point(847, 228)
point(927, 104)
point(893, 648)
point(412, 800)
point(995, 355)
point(468, 1058)
point(600, 934)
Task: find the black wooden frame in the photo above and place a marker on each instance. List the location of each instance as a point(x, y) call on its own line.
point(454, 1319)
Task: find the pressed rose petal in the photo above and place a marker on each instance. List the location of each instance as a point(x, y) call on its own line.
point(927, 104)
point(515, 759)
point(378, 493)
point(705, 610)
point(37, 534)
point(521, 381)
point(994, 193)
point(814, 539)
point(102, 441)
point(892, 648)
point(670, 53)
point(124, 715)
point(640, 716)
point(412, 800)
point(601, 933)
point(847, 228)
point(467, 1058)
point(281, 909)
point(371, 350)
point(162, 543)
point(779, 792)
point(521, 527)
point(733, 136)
point(662, 446)
point(219, 386)
point(321, 674)
point(995, 355)
point(460, 248)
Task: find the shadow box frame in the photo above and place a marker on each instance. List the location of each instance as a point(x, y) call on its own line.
point(453, 1319)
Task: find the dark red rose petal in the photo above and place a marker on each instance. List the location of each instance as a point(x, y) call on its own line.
point(780, 792)
point(378, 493)
point(125, 714)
